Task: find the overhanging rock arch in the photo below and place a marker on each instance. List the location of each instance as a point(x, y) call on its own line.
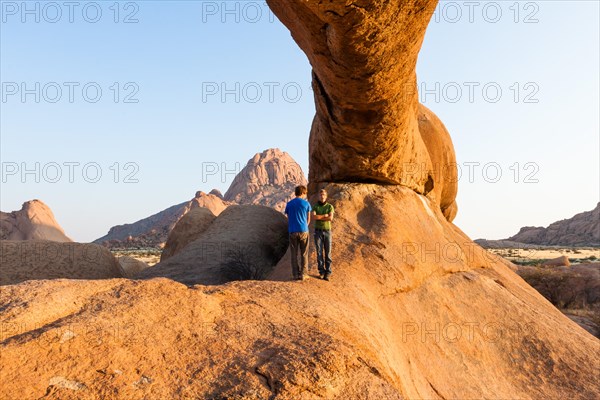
point(369, 126)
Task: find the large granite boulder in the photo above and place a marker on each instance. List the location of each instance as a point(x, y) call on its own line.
point(34, 221)
point(243, 242)
point(187, 229)
point(130, 266)
point(40, 259)
point(443, 159)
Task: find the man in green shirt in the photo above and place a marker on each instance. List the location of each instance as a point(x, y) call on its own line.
point(323, 215)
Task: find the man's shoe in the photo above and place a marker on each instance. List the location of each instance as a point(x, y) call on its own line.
point(321, 276)
point(304, 277)
point(326, 277)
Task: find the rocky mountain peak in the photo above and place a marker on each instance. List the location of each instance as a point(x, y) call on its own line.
point(268, 179)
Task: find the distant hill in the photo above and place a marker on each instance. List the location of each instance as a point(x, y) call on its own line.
point(268, 179)
point(582, 230)
point(35, 221)
point(154, 230)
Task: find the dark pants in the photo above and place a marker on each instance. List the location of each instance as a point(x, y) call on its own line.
point(323, 245)
point(299, 243)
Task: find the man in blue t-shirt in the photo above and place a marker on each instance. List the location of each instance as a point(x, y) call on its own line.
point(298, 212)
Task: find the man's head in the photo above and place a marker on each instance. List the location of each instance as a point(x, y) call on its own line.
point(323, 195)
point(301, 191)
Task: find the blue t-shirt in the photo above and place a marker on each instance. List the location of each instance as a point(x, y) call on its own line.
point(297, 210)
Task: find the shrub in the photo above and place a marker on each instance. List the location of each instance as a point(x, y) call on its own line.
point(565, 287)
point(248, 262)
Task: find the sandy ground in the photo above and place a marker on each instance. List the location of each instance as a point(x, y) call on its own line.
point(149, 256)
point(576, 255)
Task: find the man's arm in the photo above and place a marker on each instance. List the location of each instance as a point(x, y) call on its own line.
point(329, 216)
point(322, 217)
point(318, 217)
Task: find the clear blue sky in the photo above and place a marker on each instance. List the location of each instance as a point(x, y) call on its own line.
point(175, 57)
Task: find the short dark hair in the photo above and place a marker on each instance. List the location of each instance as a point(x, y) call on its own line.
point(300, 190)
point(323, 190)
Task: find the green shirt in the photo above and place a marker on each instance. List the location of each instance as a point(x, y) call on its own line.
point(322, 210)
